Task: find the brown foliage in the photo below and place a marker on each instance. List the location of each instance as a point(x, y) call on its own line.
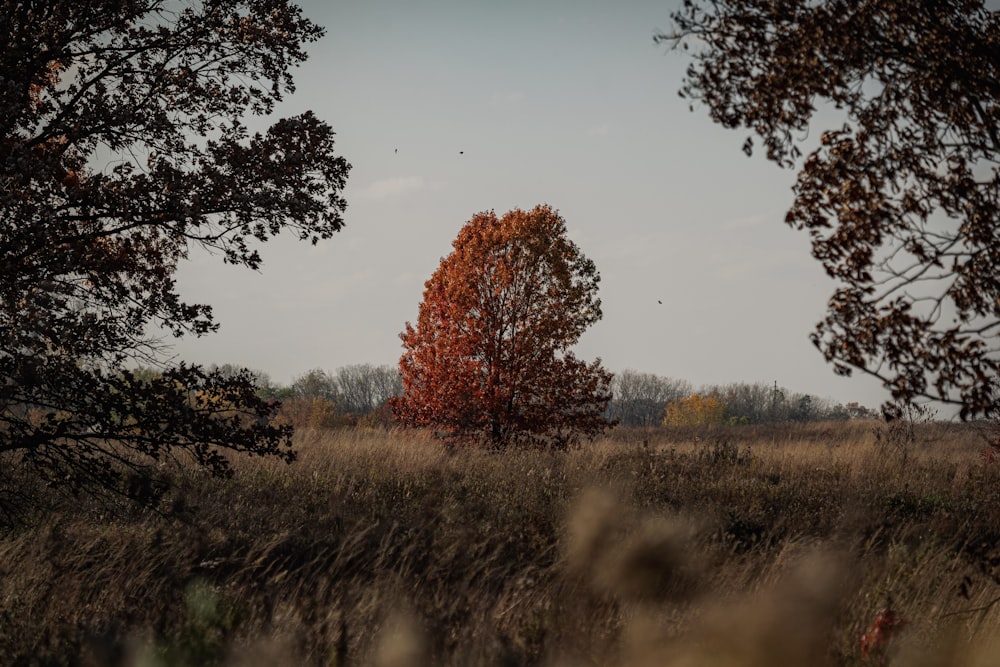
point(122, 147)
point(489, 358)
point(901, 198)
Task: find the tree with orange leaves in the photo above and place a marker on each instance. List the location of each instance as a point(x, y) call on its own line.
point(489, 360)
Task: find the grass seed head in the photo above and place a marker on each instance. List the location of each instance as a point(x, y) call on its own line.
point(401, 643)
point(653, 563)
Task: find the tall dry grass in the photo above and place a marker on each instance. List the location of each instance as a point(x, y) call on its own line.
point(727, 546)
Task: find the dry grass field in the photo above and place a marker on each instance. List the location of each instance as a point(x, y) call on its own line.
point(734, 546)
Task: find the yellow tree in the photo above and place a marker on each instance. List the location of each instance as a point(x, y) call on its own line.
point(694, 410)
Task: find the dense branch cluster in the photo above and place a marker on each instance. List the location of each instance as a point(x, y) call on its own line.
point(902, 200)
point(123, 144)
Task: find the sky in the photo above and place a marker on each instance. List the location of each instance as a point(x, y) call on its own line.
point(449, 108)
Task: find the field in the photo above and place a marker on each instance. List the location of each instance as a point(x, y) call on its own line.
point(734, 546)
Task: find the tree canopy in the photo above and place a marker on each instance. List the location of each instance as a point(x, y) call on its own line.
point(901, 193)
point(123, 145)
point(489, 359)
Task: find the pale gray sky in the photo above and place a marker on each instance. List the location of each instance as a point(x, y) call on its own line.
point(561, 102)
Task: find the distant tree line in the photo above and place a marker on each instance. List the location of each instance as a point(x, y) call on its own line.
point(639, 399)
point(352, 394)
point(359, 393)
point(645, 399)
point(322, 399)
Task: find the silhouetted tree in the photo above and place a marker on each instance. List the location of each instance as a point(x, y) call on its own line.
point(489, 358)
point(901, 197)
point(123, 146)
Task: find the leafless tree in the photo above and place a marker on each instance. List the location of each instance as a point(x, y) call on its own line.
point(640, 398)
point(364, 388)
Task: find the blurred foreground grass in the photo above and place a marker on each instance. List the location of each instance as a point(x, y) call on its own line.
point(735, 546)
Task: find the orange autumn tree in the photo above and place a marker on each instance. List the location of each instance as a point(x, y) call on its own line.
point(489, 360)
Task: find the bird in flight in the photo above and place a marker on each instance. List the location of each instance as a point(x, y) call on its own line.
point(461, 152)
